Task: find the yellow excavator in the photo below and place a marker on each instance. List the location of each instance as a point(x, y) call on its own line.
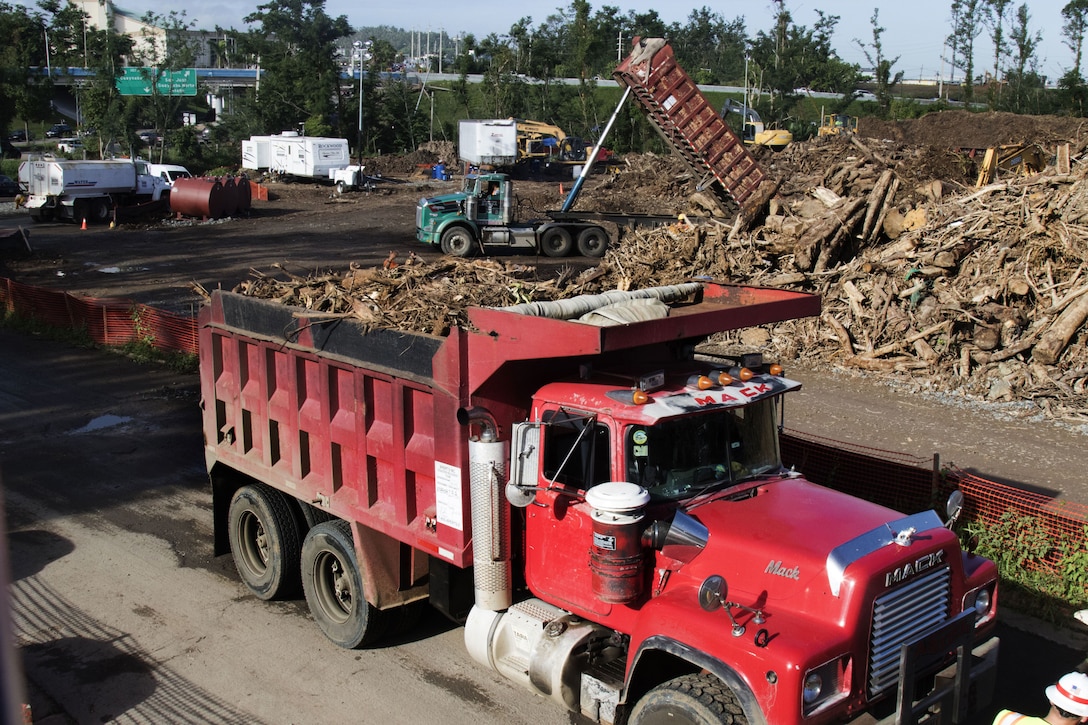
point(754, 133)
point(546, 141)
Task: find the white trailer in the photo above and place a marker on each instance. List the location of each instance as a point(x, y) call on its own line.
point(307, 156)
point(90, 190)
point(488, 142)
point(257, 153)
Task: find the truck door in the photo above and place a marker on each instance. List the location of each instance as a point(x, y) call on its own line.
point(489, 208)
point(575, 456)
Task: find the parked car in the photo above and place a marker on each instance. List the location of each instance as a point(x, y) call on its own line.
point(148, 137)
point(20, 135)
point(8, 187)
point(58, 130)
point(864, 95)
point(69, 146)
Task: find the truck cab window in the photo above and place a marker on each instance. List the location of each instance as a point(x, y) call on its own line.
point(683, 456)
point(576, 449)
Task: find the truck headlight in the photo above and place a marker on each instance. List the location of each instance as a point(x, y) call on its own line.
point(824, 685)
point(814, 685)
point(981, 600)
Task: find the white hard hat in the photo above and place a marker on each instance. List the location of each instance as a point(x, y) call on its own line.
point(1070, 693)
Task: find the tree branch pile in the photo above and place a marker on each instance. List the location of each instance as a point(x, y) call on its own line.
point(979, 291)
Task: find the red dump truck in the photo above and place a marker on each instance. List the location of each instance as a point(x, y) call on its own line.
point(604, 509)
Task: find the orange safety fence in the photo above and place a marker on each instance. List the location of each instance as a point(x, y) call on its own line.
point(106, 321)
point(899, 481)
point(910, 484)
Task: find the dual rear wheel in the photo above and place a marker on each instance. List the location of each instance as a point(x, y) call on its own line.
point(559, 242)
point(273, 560)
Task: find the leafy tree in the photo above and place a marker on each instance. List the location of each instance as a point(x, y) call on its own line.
point(796, 56)
point(1025, 88)
point(968, 17)
point(295, 46)
point(103, 52)
point(1075, 15)
point(159, 56)
point(882, 67)
point(710, 47)
point(1075, 94)
point(21, 95)
point(996, 18)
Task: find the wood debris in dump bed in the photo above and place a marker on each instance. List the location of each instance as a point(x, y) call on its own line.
point(415, 294)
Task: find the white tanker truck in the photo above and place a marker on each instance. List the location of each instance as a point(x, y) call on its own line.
point(88, 190)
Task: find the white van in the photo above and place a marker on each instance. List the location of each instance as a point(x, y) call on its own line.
point(169, 173)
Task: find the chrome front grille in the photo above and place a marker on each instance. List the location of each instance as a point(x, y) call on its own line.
point(899, 616)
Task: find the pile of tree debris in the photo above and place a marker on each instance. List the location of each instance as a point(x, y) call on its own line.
point(982, 291)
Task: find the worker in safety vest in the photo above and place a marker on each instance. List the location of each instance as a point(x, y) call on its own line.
point(1068, 704)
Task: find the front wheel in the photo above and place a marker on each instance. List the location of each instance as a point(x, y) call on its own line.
point(264, 541)
point(334, 587)
point(592, 242)
point(691, 700)
point(458, 242)
point(556, 242)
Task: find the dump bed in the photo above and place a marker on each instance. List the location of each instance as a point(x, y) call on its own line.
point(364, 423)
point(680, 112)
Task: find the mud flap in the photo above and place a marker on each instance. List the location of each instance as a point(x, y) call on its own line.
point(965, 685)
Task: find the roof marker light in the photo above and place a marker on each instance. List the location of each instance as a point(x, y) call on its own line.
point(702, 382)
point(722, 377)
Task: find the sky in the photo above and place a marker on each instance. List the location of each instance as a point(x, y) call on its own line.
point(914, 29)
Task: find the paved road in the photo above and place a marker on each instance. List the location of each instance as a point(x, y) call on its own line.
point(121, 614)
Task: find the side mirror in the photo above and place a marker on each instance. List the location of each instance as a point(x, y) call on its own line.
point(954, 507)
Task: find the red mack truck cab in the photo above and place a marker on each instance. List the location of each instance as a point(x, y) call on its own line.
point(603, 506)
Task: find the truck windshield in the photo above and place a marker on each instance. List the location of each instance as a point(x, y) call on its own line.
point(682, 456)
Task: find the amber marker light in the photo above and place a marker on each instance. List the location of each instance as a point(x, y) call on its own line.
point(725, 378)
point(775, 369)
point(702, 382)
point(639, 397)
point(745, 375)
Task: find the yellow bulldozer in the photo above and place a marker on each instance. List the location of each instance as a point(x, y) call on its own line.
point(837, 124)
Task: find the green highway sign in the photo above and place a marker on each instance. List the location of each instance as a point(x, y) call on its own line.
point(138, 82)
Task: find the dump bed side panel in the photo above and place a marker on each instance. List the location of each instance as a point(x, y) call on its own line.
point(679, 111)
point(357, 440)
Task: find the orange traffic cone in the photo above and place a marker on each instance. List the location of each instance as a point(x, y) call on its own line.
point(84, 226)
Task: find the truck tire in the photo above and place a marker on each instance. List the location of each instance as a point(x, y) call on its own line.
point(592, 242)
point(556, 242)
point(334, 587)
point(341, 187)
point(694, 699)
point(458, 242)
point(98, 211)
point(264, 542)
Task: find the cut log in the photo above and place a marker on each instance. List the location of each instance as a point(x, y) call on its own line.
point(1054, 341)
point(877, 201)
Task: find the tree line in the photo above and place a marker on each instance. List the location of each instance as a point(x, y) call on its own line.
point(307, 62)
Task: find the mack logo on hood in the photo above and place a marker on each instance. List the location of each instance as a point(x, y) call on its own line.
point(778, 569)
point(902, 573)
